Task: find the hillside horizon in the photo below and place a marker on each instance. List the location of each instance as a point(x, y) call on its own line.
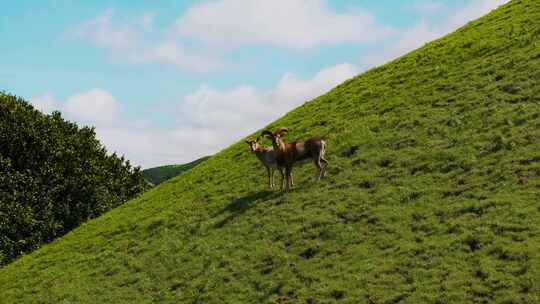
point(160, 174)
point(431, 197)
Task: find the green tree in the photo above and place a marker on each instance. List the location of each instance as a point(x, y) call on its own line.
point(53, 177)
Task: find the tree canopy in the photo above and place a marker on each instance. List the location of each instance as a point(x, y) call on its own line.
point(54, 176)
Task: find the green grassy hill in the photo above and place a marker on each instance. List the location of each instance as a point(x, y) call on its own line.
point(160, 174)
point(432, 197)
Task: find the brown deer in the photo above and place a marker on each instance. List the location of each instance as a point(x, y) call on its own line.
point(267, 156)
point(291, 154)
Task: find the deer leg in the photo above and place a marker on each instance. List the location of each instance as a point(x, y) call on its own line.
point(288, 171)
point(325, 165)
point(319, 172)
point(321, 157)
point(282, 179)
point(269, 171)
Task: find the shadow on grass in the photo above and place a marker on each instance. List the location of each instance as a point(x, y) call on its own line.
point(241, 205)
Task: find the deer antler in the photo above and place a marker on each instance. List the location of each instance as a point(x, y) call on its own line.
point(267, 133)
point(281, 131)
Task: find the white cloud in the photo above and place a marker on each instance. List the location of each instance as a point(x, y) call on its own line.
point(46, 103)
point(201, 37)
point(95, 106)
point(410, 39)
point(152, 146)
point(133, 40)
point(215, 118)
point(424, 31)
point(101, 31)
point(170, 52)
point(210, 119)
point(245, 108)
point(291, 24)
point(224, 108)
point(290, 89)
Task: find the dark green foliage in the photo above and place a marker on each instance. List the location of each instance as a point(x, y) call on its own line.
point(158, 175)
point(53, 177)
point(432, 196)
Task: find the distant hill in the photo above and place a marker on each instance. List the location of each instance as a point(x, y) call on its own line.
point(432, 196)
point(160, 174)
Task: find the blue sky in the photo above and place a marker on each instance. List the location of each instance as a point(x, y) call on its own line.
point(169, 81)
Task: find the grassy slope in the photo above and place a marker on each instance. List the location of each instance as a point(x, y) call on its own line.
point(440, 203)
point(158, 175)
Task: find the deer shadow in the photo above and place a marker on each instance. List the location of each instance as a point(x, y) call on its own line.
point(241, 205)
